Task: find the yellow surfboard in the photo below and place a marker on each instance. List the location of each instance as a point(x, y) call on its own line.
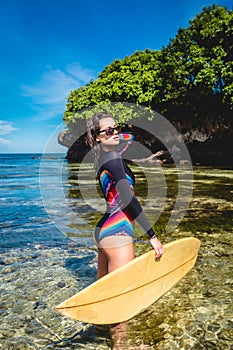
point(133, 287)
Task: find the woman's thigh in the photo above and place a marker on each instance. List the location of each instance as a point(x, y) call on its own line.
point(117, 254)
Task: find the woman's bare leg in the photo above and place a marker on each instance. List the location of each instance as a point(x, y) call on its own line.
point(102, 269)
point(112, 257)
point(119, 256)
point(115, 256)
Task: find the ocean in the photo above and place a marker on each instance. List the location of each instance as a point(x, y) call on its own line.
point(35, 204)
point(49, 209)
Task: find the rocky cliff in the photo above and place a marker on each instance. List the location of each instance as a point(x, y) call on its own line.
point(207, 151)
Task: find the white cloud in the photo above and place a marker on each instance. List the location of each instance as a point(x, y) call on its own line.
point(4, 141)
point(83, 75)
point(48, 96)
point(6, 127)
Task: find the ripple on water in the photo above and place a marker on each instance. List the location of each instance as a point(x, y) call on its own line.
point(195, 314)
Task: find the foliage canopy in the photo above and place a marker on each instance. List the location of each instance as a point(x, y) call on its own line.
point(190, 81)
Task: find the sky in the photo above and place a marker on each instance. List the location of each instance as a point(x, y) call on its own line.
point(51, 47)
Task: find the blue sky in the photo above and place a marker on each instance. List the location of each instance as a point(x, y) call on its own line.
point(50, 47)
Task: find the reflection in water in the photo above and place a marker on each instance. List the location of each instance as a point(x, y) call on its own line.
point(197, 312)
point(119, 334)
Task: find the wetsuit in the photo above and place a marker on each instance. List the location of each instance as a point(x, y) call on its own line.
point(117, 183)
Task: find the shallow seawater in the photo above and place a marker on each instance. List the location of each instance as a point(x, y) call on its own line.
point(195, 314)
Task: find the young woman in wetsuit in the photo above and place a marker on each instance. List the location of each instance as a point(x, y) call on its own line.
point(114, 232)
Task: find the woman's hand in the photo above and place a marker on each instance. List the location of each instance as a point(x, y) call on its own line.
point(158, 247)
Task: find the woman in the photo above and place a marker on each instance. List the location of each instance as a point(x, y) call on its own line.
point(114, 232)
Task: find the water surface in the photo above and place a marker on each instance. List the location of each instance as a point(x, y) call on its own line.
point(48, 214)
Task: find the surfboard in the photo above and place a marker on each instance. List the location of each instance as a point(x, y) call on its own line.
point(133, 287)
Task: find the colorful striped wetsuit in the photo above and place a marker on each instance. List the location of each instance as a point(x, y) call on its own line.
point(117, 183)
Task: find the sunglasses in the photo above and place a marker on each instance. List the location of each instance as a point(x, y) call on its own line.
point(110, 131)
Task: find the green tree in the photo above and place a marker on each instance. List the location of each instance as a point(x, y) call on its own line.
point(203, 54)
point(190, 81)
point(133, 79)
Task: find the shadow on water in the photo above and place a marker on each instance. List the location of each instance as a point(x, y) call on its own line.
point(81, 266)
point(99, 336)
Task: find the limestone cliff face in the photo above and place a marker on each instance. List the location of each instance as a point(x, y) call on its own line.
point(77, 146)
point(66, 138)
point(211, 151)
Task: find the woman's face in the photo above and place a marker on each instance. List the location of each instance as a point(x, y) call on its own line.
point(108, 136)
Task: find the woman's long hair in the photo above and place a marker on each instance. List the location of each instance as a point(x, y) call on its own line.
point(93, 128)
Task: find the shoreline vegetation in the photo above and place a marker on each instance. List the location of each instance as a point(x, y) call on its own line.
point(189, 82)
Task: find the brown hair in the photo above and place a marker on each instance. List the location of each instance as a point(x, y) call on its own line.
point(93, 128)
